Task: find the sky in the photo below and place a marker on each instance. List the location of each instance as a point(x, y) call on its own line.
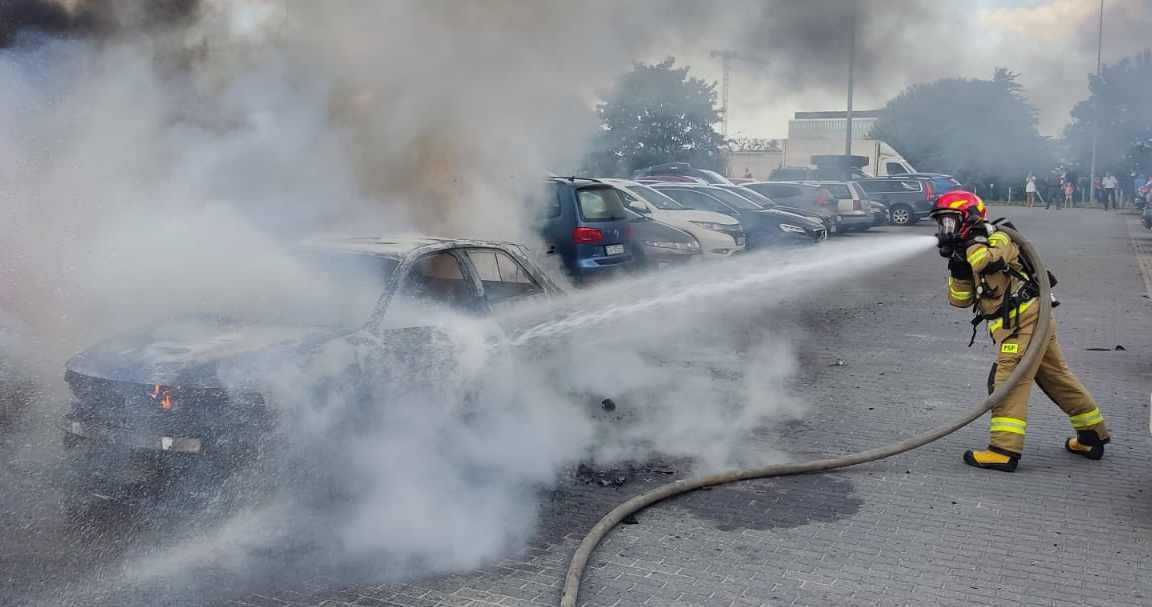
point(1051, 43)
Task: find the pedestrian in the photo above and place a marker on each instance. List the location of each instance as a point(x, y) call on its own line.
point(1138, 180)
point(1030, 190)
point(987, 273)
point(1069, 190)
point(1109, 184)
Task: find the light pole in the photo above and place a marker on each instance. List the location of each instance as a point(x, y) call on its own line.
point(1096, 107)
point(851, 75)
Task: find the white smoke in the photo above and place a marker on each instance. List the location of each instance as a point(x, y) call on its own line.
point(159, 174)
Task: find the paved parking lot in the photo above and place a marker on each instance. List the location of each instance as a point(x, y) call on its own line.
point(918, 529)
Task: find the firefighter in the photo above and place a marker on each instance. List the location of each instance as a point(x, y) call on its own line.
point(988, 274)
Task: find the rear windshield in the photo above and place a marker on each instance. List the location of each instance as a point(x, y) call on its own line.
point(656, 199)
point(601, 204)
point(732, 200)
point(891, 185)
point(838, 190)
point(944, 184)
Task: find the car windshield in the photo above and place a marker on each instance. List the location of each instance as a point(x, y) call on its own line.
point(316, 288)
point(601, 204)
point(733, 200)
point(752, 195)
point(656, 199)
point(713, 177)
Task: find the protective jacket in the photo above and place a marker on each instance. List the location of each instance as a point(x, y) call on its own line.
point(997, 279)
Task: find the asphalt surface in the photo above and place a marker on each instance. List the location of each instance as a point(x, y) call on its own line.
point(880, 359)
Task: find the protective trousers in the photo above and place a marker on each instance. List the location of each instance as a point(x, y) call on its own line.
point(1010, 417)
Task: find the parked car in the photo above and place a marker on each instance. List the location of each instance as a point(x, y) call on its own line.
point(909, 198)
point(718, 234)
point(151, 415)
point(768, 203)
point(584, 222)
point(681, 169)
point(853, 214)
point(811, 198)
point(658, 245)
point(763, 227)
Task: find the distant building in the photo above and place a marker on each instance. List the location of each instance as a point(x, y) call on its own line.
point(820, 133)
point(754, 155)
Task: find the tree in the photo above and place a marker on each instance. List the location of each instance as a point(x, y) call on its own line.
point(654, 114)
point(1120, 97)
point(982, 131)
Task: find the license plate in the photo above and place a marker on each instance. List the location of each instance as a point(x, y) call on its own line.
point(614, 249)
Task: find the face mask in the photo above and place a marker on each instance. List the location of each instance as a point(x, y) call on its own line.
point(947, 225)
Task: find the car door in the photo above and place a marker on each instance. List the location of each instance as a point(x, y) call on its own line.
point(440, 279)
point(504, 281)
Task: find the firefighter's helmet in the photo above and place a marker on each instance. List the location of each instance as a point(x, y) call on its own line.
point(957, 211)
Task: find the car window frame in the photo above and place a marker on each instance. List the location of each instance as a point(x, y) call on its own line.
point(467, 271)
point(542, 290)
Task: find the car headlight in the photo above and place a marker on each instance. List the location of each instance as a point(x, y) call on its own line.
point(717, 227)
point(678, 246)
point(787, 227)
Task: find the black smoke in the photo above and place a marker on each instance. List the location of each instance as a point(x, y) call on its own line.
point(87, 18)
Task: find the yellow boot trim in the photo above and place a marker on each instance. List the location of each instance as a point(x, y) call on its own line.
point(1086, 420)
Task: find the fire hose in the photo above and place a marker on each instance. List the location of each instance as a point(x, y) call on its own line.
point(1025, 369)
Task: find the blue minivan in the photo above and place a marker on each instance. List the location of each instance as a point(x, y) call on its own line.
point(585, 222)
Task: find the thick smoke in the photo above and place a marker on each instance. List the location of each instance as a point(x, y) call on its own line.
point(157, 168)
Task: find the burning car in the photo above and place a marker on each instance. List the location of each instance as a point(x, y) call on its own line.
point(167, 402)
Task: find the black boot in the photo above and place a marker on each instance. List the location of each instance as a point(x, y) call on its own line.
point(1087, 444)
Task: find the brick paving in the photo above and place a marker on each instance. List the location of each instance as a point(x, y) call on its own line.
point(918, 529)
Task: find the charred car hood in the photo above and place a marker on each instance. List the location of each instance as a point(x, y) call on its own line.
point(189, 352)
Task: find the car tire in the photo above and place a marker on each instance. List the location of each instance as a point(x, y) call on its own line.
point(902, 215)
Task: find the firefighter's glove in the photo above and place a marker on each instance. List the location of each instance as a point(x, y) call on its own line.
point(959, 268)
point(979, 234)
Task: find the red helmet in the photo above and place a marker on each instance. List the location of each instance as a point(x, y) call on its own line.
point(962, 202)
point(957, 211)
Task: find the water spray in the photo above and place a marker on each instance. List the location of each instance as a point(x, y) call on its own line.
point(1027, 367)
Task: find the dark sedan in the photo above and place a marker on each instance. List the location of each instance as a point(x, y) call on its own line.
point(764, 227)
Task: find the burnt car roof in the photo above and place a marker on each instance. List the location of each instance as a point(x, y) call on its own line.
point(399, 245)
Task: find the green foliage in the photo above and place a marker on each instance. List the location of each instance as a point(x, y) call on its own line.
point(981, 131)
point(654, 114)
point(1123, 96)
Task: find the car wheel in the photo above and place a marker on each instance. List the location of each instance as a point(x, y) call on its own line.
point(902, 216)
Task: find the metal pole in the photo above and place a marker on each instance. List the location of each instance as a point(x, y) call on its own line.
point(726, 66)
point(851, 75)
point(1096, 106)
